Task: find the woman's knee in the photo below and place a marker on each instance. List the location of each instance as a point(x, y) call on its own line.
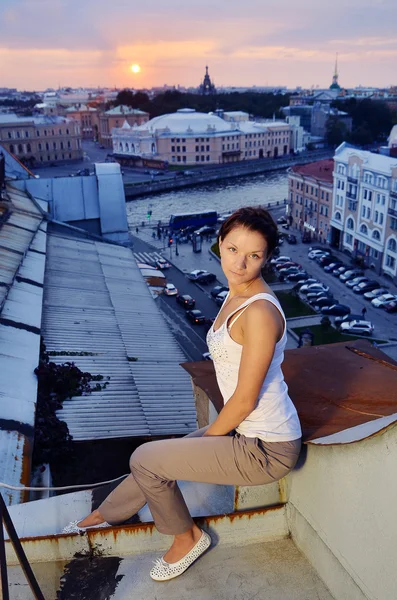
point(140, 456)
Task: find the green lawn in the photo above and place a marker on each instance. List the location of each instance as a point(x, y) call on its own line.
point(293, 306)
point(331, 335)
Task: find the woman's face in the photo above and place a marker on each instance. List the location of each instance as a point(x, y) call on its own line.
point(243, 254)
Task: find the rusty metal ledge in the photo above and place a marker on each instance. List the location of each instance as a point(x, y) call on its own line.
point(244, 527)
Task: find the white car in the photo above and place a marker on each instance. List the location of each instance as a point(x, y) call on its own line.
point(381, 300)
point(358, 326)
point(314, 287)
point(161, 263)
point(375, 293)
point(317, 253)
point(280, 259)
point(170, 290)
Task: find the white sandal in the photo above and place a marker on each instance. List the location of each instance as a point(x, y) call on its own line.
point(72, 527)
point(163, 571)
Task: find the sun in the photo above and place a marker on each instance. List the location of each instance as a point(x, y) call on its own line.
point(135, 68)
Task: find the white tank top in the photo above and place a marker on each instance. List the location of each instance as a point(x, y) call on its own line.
point(274, 418)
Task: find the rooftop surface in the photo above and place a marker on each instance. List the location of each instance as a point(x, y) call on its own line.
point(321, 170)
point(274, 570)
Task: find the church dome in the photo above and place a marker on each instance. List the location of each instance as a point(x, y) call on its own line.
point(187, 121)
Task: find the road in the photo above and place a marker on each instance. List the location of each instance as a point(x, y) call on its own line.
point(190, 337)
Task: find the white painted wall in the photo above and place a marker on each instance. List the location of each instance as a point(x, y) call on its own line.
point(348, 495)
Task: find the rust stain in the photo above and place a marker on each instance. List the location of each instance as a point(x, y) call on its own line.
point(236, 496)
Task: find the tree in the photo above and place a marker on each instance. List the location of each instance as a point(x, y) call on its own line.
point(336, 131)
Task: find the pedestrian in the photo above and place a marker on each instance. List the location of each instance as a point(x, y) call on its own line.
point(137, 229)
point(153, 234)
point(255, 439)
point(363, 312)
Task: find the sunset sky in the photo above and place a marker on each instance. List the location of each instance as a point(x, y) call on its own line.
point(47, 43)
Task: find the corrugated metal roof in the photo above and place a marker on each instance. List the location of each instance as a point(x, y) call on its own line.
point(96, 301)
point(22, 262)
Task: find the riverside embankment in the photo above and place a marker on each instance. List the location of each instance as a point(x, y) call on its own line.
point(221, 172)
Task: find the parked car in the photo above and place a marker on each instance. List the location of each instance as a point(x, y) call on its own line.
point(317, 253)
point(170, 290)
point(318, 247)
point(289, 271)
point(315, 295)
point(186, 301)
point(391, 307)
point(323, 301)
point(375, 293)
point(280, 259)
point(201, 276)
point(351, 274)
point(195, 316)
point(338, 272)
point(221, 298)
point(314, 287)
point(306, 282)
point(380, 301)
point(332, 266)
point(359, 326)
point(193, 275)
point(161, 263)
point(282, 220)
point(292, 239)
point(365, 286)
point(299, 276)
point(336, 309)
point(325, 260)
point(286, 265)
point(218, 289)
point(347, 317)
point(351, 283)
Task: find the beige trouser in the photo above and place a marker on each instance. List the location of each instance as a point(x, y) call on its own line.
point(227, 460)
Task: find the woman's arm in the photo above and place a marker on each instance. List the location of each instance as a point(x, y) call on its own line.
point(261, 330)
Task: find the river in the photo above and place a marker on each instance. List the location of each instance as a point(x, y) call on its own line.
point(224, 196)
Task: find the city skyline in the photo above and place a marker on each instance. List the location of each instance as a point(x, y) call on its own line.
point(52, 43)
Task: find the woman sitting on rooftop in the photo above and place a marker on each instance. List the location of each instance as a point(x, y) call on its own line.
point(256, 437)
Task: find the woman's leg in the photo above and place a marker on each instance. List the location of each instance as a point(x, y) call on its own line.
point(231, 460)
point(124, 501)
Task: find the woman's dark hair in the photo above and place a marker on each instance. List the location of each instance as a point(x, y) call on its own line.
point(253, 218)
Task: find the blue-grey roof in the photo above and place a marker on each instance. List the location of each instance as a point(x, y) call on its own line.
point(97, 302)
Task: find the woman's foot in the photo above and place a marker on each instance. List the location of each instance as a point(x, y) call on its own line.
point(182, 545)
point(163, 570)
point(95, 518)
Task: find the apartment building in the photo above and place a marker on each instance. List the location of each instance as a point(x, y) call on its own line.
point(114, 118)
point(364, 208)
point(87, 117)
point(41, 139)
point(310, 198)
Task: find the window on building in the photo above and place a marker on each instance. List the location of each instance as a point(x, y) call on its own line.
point(368, 213)
point(69, 144)
point(172, 148)
point(350, 223)
point(183, 148)
point(390, 261)
point(45, 132)
point(202, 158)
point(376, 235)
point(20, 148)
point(61, 145)
point(67, 132)
point(198, 149)
point(197, 158)
point(178, 159)
point(48, 157)
point(380, 218)
point(364, 229)
point(363, 211)
point(392, 245)
point(184, 159)
point(376, 217)
point(12, 149)
point(202, 148)
point(26, 134)
point(208, 148)
point(173, 158)
point(39, 146)
point(28, 148)
point(54, 145)
point(208, 159)
point(9, 135)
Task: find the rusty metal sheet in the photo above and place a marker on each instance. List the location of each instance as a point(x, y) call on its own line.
point(334, 387)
